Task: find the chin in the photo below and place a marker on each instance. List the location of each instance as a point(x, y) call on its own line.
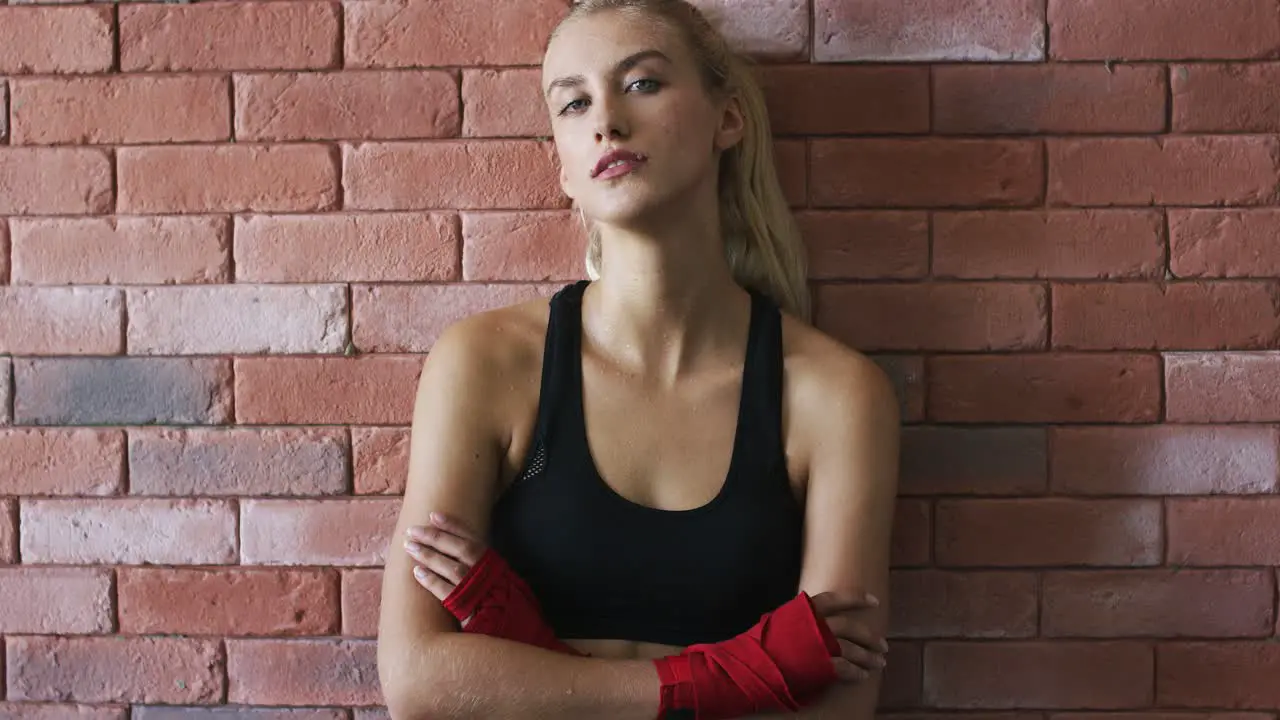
point(636, 207)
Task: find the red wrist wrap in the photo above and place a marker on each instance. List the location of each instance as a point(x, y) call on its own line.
point(781, 664)
point(500, 604)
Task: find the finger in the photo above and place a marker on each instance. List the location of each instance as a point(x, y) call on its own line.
point(452, 545)
point(827, 603)
point(845, 627)
point(437, 562)
point(861, 657)
point(848, 672)
point(457, 527)
point(434, 584)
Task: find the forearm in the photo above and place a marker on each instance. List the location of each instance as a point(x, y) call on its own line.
point(476, 676)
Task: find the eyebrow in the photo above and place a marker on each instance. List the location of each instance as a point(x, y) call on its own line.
point(623, 65)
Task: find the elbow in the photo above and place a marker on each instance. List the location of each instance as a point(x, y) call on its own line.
point(408, 682)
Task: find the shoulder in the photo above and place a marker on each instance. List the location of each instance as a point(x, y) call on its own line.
point(488, 358)
point(825, 377)
point(837, 399)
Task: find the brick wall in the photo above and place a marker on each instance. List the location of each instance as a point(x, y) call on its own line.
point(230, 230)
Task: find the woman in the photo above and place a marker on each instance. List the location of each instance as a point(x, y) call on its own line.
point(671, 490)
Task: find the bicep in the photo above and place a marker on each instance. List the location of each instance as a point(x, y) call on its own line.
point(849, 505)
point(454, 447)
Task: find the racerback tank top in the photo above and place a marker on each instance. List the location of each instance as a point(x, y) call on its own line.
point(604, 567)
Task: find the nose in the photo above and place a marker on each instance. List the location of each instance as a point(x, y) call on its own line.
point(610, 119)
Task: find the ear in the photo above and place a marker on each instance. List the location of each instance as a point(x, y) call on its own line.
point(733, 124)
point(564, 183)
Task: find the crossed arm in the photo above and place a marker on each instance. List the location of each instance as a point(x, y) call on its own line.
point(429, 670)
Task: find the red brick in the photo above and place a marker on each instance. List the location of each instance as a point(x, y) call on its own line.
point(228, 602)
point(854, 99)
point(122, 391)
point(792, 159)
point(331, 532)
point(865, 245)
point(1049, 99)
point(1180, 316)
point(121, 250)
point(48, 601)
point(900, 686)
point(398, 33)
point(1224, 531)
point(913, 30)
point(62, 462)
point(1164, 460)
point(912, 533)
point(1068, 675)
point(128, 531)
point(55, 181)
point(55, 40)
point(350, 104)
point(1222, 387)
point(116, 669)
point(935, 316)
point(509, 174)
point(296, 462)
point(237, 319)
point(380, 247)
point(61, 321)
point(1163, 29)
point(1055, 388)
point(303, 672)
point(1240, 675)
point(1048, 244)
point(48, 711)
point(769, 30)
point(994, 715)
point(1224, 243)
point(361, 602)
point(504, 102)
point(409, 318)
point(906, 372)
point(121, 109)
point(963, 461)
point(934, 172)
point(373, 390)
point(6, 380)
point(1158, 715)
point(230, 36)
point(1232, 97)
point(5, 246)
point(4, 110)
point(1048, 532)
point(161, 712)
point(938, 604)
point(1166, 170)
point(227, 178)
point(529, 246)
point(1159, 603)
point(8, 530)
point(380, 713)
point(380, 460)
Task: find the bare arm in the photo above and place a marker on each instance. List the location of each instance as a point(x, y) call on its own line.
point(427, 669)
point(853, 483)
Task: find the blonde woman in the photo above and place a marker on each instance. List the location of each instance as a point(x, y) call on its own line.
point(660, 493)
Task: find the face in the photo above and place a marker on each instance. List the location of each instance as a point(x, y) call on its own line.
point(621, 81)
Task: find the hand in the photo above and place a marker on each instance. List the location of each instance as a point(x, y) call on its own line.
point(444, 553)
point(861, 651)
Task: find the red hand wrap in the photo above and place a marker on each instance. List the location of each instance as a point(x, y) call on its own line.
point(500, 604)
point(781, 663)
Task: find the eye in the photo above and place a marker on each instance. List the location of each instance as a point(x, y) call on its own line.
point(651, 85)
point(567, 108)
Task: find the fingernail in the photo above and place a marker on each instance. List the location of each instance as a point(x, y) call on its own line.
point(419, 572)
point(884, 646)
point(875, 601)
point(437, 518)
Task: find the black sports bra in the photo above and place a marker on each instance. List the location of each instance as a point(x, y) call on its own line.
point(604, 567)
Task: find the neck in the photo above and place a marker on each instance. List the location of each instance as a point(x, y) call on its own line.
point(666, 299)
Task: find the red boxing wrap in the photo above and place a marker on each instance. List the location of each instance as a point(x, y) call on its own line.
point(500, 604)
point(780, 664)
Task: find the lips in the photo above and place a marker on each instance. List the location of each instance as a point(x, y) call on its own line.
point(618, 156)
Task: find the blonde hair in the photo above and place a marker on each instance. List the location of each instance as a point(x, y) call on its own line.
point(761, 239)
